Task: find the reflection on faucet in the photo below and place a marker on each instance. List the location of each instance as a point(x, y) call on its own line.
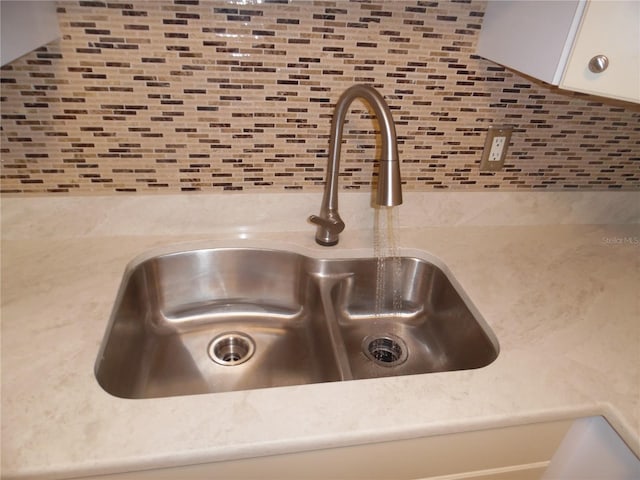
point(389, 191)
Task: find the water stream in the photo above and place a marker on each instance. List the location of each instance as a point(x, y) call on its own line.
point(388, 274)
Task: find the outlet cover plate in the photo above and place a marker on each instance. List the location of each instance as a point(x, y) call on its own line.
point(487, 165)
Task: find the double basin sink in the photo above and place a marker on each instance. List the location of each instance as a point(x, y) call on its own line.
point(226, 319)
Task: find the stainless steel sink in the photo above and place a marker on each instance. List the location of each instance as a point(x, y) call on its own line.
point(218, 320)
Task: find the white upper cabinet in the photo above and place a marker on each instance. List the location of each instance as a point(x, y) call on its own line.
point(25, 26)
point(590, 46)
point(609, 30)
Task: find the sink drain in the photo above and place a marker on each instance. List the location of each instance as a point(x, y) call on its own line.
point(231, 348)
point(385, 350)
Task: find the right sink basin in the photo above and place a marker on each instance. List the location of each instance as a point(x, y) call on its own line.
point(417, 322)
point(226, 319)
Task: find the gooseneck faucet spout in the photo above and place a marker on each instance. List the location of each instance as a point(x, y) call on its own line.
point(389, 191)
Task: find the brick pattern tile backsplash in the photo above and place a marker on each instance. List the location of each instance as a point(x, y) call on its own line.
point(212, 96)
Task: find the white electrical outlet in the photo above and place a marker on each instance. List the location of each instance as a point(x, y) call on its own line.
point(495, 154)
point(495, 148)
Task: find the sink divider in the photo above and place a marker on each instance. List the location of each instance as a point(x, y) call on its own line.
point(325, 284)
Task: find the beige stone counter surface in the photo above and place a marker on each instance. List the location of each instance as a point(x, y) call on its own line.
point(555, 276)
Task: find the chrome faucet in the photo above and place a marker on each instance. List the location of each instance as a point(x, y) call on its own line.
point(389, 191)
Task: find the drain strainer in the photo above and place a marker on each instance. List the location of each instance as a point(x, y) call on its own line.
point(386, 350)
point(231, 348)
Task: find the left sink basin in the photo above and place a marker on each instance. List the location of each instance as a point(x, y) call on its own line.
point(214, 321)
point(226, 319)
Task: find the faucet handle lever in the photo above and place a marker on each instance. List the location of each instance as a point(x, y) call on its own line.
point(333, 224)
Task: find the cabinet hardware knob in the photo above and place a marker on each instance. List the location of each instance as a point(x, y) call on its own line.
point(598, 64)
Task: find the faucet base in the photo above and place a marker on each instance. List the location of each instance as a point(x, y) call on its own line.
point(326, 244)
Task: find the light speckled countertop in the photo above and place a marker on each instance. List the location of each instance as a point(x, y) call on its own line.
point(556, 276)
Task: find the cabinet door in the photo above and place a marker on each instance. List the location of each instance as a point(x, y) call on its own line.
point(610, 28)
point(530, 36)
point(26, 26)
